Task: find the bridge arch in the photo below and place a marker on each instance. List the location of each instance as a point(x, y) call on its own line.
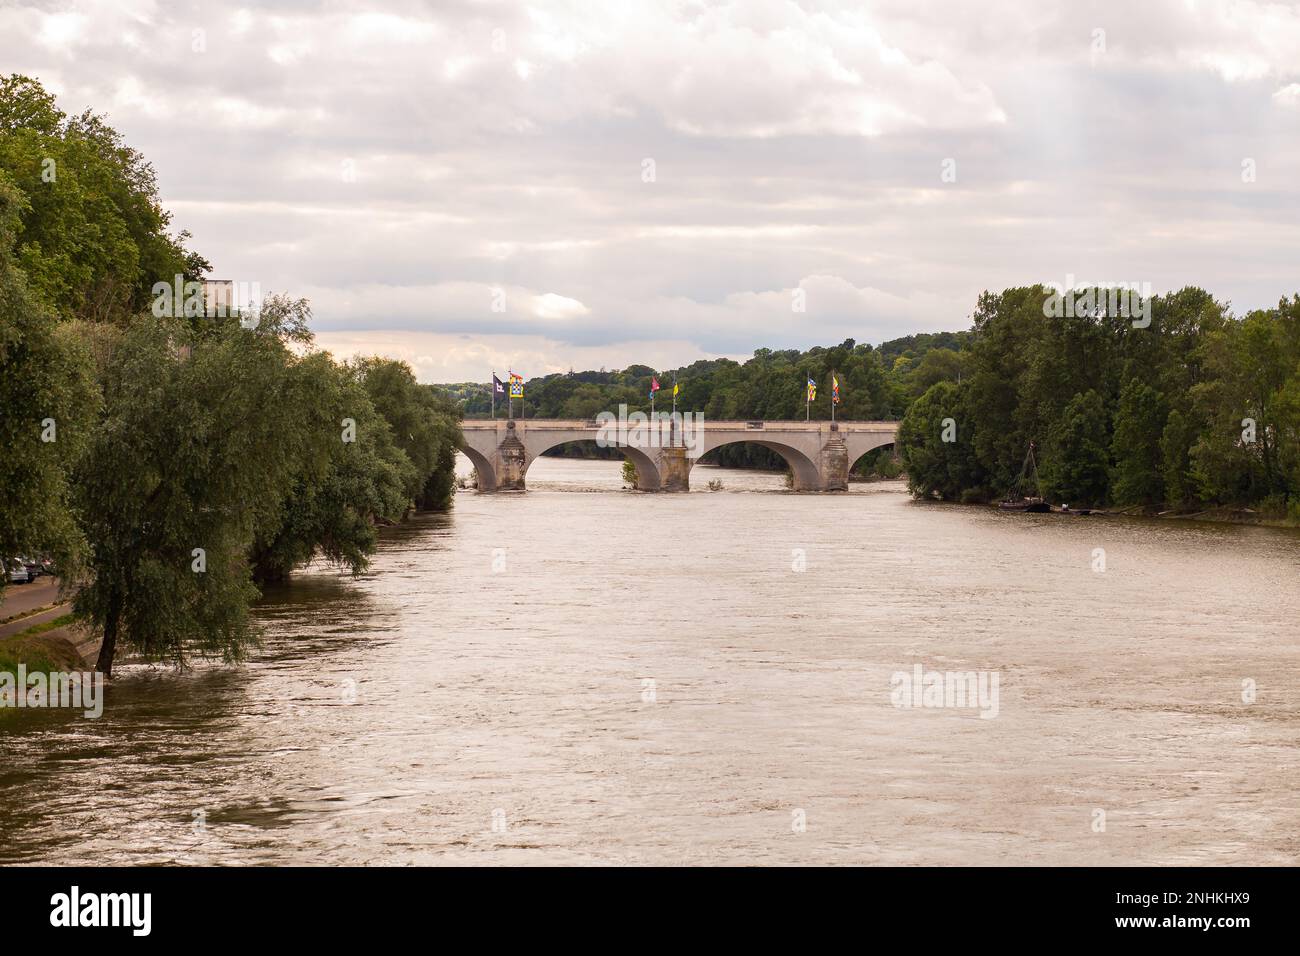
point(807, 476)
point(485, 474)
point(539, 443)
point(858, 445)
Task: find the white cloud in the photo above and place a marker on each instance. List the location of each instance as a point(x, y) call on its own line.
point(552, 306)
point(1288, 96)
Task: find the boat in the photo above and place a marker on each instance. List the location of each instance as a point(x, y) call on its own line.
point(1030, 505)
point(1016, 499)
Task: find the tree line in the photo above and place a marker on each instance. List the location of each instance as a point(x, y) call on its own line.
point(1186, 408)
point(171, 462)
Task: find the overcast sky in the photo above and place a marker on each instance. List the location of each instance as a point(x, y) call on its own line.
point(651, 182)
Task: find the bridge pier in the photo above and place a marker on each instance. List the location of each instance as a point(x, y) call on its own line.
point(835, 464)
point(674, 470)
point(820, 454)
point(513, 462)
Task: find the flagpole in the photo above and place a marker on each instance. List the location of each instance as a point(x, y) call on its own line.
point(835, 387)
point(493, 389)
point(672, 422)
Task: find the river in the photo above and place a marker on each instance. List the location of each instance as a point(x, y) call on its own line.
point(582, 674)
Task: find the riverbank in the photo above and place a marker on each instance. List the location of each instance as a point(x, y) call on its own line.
point(1222, 515)
point(56, 645)
point(1228, 516)
point(39, 632)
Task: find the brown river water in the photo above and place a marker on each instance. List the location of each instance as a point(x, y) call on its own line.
point(581, 674)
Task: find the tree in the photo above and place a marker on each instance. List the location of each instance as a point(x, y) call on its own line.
point(937, 365)
point(47, 400)
point(333, 506)
point(1176, 468)
point(198, 434)
point(93, 236)
point(424, 425)
point(1076, 464)
point(1136, 445)
point(935, 444)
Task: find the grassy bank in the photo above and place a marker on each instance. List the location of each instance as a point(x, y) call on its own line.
point(40, 649)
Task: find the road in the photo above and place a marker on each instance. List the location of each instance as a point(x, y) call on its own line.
point(26, 598)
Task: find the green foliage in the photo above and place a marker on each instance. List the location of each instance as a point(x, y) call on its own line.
point(200, 435)
point(381, 442)
point(424, 423)
point(352, 477)
point(188, 454)
point(771, 385)
point(881, 463)
point(1124, 414)
point(46, 392)
point(1076, 463)
point(93, 233)
point(936, 467)
point(1136, 445)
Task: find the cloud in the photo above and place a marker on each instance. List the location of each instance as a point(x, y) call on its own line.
point(398, 162)
point(1288, 96)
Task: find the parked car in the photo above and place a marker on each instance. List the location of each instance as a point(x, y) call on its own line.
point(37, 566)
point(18, 573)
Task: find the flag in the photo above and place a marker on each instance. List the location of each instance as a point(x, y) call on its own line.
point(516, 385)
point(676, 388)
point(835, 389)
point(498, 386)
point(812, 390)
point(654, 384)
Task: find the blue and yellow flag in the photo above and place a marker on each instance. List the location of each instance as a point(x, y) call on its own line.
point(835, 389)
point(812, 390)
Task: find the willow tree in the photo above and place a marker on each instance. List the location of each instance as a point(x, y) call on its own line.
point(424, 424)
point(199, 433)
point(337, 499)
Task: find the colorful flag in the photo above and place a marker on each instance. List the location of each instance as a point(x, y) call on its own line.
point(812, 390)
point(654, 384)
point(835, 389)
point(516, 385)
point(498, 386)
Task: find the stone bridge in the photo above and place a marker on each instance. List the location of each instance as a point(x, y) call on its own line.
point(819, 454)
